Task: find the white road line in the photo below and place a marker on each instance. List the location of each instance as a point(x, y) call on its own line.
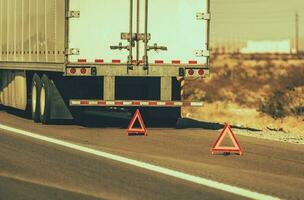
point(180, 175)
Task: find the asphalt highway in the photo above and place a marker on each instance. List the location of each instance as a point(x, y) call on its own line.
point(35, 169)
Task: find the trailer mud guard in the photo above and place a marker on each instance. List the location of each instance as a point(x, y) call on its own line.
point(59, 109)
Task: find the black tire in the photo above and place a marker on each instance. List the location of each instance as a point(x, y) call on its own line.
point(35, 95)
point(45, 100)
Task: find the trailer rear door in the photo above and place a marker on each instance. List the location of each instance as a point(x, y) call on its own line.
point(171, 23)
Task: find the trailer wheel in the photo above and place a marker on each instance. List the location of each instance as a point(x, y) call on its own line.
point(45, 98)
point(35, 107)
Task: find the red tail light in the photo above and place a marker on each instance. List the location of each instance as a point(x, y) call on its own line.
point(191, 72)
point(73, 71)
point(83, 71)
point(201, 72)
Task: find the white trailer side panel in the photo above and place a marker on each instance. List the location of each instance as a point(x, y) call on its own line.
point(172, 23)
point(32, 31)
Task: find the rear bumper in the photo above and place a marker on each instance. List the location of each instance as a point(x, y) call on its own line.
point(102, 103)
point(155, 70)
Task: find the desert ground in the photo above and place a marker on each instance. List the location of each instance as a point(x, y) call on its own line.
point(263, 93)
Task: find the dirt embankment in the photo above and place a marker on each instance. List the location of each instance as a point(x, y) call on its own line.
point(263, 94)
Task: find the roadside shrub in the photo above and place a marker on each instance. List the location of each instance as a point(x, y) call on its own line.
point(275, 106)
point(299, 111)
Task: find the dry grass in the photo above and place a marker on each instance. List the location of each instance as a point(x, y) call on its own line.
point(244, 117)
point(261, 94)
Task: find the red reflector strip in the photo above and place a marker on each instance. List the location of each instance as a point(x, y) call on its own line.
point(82, 60)
point(119, 103)
point(152, 103)
point(175, 62)
point(169, 103)
point(186, 104)
point(159, 62)
point(139, 62)
point(84, 102)
point(99, 60)
point(102, 103)
point(136, 103)
point(193, 62)
point(116, 61)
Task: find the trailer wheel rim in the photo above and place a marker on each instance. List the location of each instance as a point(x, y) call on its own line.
point(34, 98)
point(42, 101)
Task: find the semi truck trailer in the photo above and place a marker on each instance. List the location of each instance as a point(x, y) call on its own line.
point(60, 57)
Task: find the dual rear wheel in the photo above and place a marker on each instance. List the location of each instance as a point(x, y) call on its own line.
point(41, 94)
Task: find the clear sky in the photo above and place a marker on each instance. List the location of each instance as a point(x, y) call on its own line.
point(240, 20)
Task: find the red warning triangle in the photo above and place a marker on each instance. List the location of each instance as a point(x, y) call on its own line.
point(222, 149)
point(142, 129)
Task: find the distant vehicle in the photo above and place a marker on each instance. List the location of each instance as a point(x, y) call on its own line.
point(58, 57)
point(282, 47)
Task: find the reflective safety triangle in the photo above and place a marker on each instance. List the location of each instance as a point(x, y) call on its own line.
point(142, 129)
point(224, 149)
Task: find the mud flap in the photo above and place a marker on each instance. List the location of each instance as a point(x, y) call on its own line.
point(59, 108)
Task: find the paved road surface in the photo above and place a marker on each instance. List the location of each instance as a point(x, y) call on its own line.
point(32, 169)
